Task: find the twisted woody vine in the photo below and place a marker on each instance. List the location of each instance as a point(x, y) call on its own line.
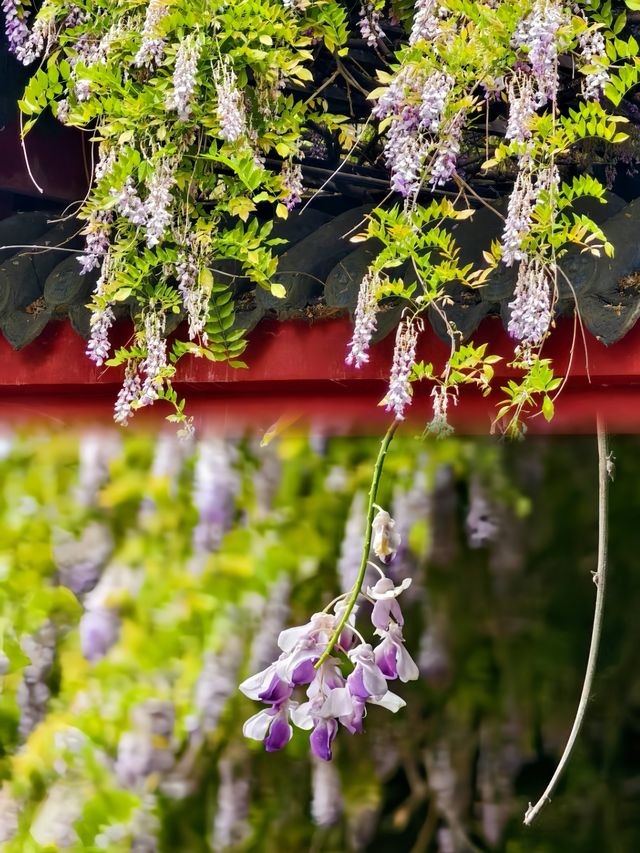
point(204, 118)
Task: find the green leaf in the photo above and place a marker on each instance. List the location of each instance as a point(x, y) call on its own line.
point(278, 290)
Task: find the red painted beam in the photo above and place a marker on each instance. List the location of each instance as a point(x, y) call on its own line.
point(298, 368)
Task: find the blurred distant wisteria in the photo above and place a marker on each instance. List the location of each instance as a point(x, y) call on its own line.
point(121, 719)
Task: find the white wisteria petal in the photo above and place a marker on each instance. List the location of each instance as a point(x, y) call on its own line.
point(256, 684)
point(301, 716)
point(407, 669)
point(391, 701)
point(290, 637)
point(385, 589)
point(339, 703)
point(256, 727)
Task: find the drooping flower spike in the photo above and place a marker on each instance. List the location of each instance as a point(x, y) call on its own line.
point(331, 697)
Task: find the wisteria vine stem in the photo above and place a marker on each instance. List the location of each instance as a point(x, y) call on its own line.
point(600, 578)
point(355, 591)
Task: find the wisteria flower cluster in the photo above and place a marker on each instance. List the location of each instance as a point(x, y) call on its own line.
point(337, 687)
point(202, 119)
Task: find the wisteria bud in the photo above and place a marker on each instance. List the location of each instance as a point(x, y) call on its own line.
point(385, 540)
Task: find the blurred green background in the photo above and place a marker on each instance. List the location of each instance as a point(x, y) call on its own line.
point(143, 578)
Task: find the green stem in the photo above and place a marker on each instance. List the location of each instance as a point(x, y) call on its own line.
point(355, 591)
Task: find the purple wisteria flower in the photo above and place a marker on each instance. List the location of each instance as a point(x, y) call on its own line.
point(99, 345)
point(592, 48)
point(444, 166)
point(385, 593)
point(130, 204)
point(155, 362)
point(538, 35)
point(369, 24)
point(531, 306)
point(230, 110)
point(518, 221)
point(128, 394)
point(158, 202)
point(216, 486)
point(96, 240)
point(404, 357)
point(15, 24)
point(522, 106)
point(434, 95)
point(195, 297)
point(365, 320)
point(331, 698)
point(99, 630)
point(151, 50)
point(184, 77)
point(292, 184)
point(326, 799)
point(392, 657)
point(427, 18)
point(35, 43)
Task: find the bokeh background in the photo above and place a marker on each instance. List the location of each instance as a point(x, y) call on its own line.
point(143, 578)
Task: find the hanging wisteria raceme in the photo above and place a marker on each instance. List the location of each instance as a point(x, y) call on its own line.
point(168, 459)
point(440, 399)
point(80, 561)
point(331, 698)
point(147, 748)
point(34, 45)
point(446, 159)
point(96, 240)
point(98, 448)
point(404, 358)
point(231, 821)
point(274, 615)
point(9, 812)
point(518, 221)
point(155, 361)
point(482, 519)
point(522, 106)
point(427, 17)
point(292, 184)
point(152, 48)
point(130, 204)
point(365, 321)
point(537, 35)
point(217, 683)
point(33, 691)
point(100, 623)
point(351, 546)
point(230, 109)
point(15, 24)
point(531, 307)
point(435, 92)
point(369, 24)
point(195, 291)
point(594, 54)
point(184, 77)
point(216, 486)
point(528, 192)
point(128, 395)
point(326, 793)
point(157, 205)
